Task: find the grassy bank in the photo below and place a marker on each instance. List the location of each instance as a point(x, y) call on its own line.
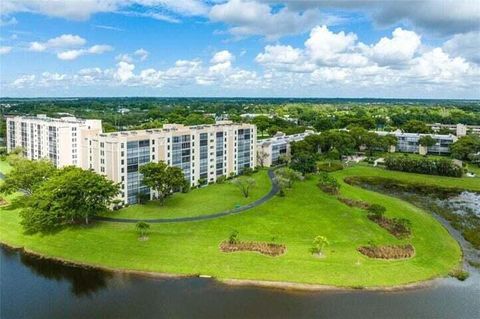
point(201, 201)
point(294, 220)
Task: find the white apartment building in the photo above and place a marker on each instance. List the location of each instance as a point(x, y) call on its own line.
point(57, 139)
point(271, 150)
point(458, 129)
point(409, 142)
point(203, 152)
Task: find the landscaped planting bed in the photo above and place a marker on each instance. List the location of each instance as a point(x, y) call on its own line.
point(269, 249)
point(354, 202)
point(395, 226)
point(388, 251)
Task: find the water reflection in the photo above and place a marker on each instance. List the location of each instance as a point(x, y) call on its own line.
point(82, 281)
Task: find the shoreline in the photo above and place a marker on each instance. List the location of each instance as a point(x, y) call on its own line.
point(279, 285)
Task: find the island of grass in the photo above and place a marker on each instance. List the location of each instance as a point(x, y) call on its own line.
point(202, 201)
point(192, 248)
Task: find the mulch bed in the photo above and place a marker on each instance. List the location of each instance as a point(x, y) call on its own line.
point(328, 189)
point(268, 249)
point(388, 252)
point(391, 225)
point(354, 202)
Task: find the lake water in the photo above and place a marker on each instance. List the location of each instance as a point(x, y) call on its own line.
point(33, 288)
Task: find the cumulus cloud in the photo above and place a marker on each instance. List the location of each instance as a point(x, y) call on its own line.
point(339, 57)
point(336, 61)
point(142, 54)
point(68, 47)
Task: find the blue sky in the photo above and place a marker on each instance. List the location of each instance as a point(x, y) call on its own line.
point(411, 49)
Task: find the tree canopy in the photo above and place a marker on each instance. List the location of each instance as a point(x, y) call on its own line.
point(163, 179)
point(26, 175)
point(72, 195)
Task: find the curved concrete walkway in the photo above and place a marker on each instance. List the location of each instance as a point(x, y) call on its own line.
point(274, 190)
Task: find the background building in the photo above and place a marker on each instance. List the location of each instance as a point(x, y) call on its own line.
point(409, 142)
point(271, 150)
point(57, 139)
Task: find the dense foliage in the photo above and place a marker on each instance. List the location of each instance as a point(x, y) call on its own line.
point(423, 165)
point(71, 196)
point(26, 175)
point(163, 179)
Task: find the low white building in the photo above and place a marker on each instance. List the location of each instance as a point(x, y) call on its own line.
point(271, 150)
point(409, 142)
point(458, 129)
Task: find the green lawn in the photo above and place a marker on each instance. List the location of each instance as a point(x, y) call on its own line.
point(212, 199)
point(294, 220)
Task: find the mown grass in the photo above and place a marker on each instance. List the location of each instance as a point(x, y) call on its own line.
point(293, 220)
point(211, 199)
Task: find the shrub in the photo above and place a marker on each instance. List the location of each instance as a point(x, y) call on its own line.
point(423, 165)
point(460, 274)
point(233, 238)
point(376, 210)
point(328, 184)
point(221, 179)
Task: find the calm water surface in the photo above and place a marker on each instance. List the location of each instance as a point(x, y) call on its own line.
point(33, 288)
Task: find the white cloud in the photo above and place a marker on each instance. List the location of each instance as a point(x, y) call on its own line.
point(60, 42)
point(142, 54)
point(68, 47)
point(464, 45)
point(70, 54)
point(23, 81)
point(73, 54)
point(252, 18)
point(339, 58)
point(124, 71)
point(398, 49)
point(5, 50)
point(37, 47)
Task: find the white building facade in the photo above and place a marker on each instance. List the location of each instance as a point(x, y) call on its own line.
point(409, 142)
point(203, 152)
point(58, 140)
point(271, 150)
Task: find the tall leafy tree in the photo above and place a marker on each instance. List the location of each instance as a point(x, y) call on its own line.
point(244, 184)
point(304, 163)
point(26, 175)
point(465, 146)
point(415, 126)
point(427, 141)
point(73, 195)
point(163, 179)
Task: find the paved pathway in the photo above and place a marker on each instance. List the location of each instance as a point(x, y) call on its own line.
point(274, 190)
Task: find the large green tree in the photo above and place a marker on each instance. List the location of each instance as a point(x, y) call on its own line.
point(415, 126)
point(26, 175)
point(304, 163)
point(163, 179)
point(71, 196)
point(465, 146)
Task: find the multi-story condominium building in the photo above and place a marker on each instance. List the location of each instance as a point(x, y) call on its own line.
point(203, 152)
point(57, 139)
point(458, 129)
point(409, 142)
point(271, 150)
